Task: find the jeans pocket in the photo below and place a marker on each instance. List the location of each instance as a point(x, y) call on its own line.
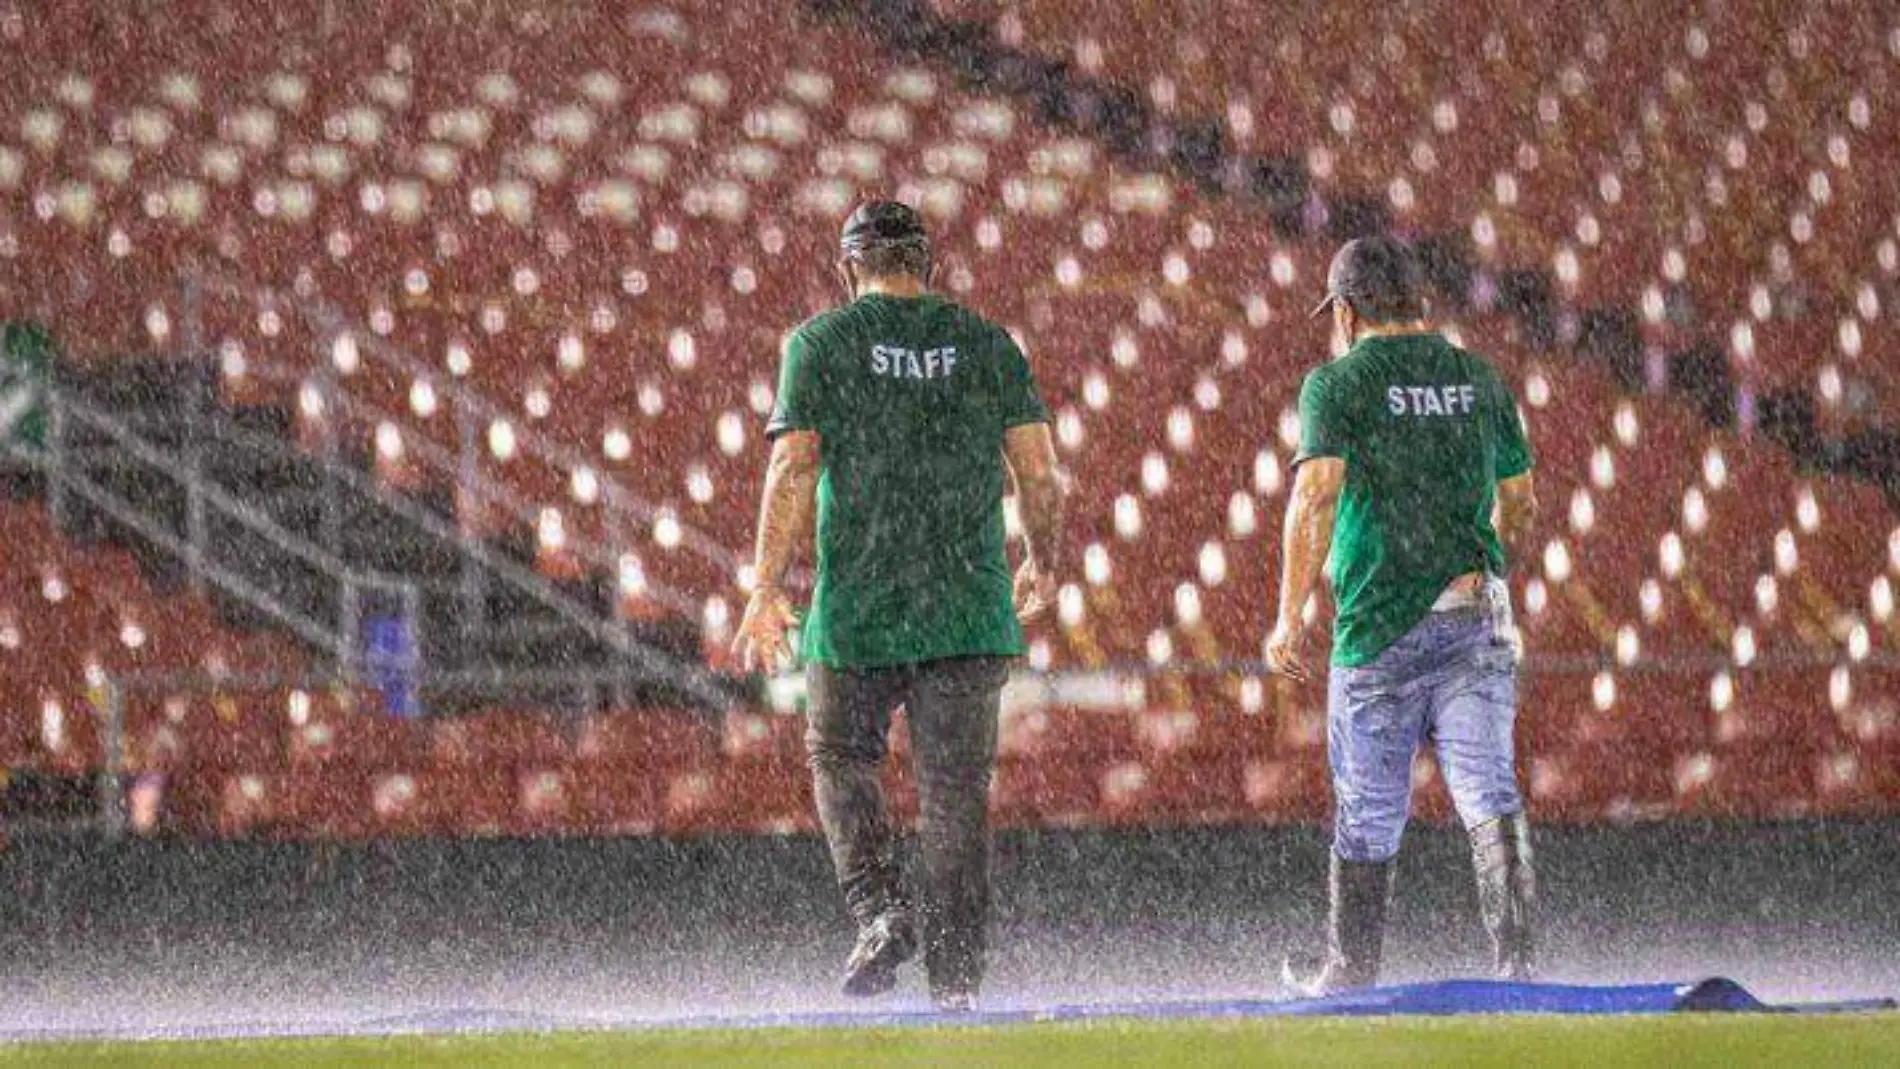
point(1362, 689)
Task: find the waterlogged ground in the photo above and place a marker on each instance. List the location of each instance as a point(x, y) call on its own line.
point(234, 939)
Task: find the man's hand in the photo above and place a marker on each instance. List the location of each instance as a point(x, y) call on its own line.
point(1286, 651)
point(1035, 591)
point(760, 643)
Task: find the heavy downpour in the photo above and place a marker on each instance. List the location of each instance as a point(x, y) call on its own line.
point(992, 531)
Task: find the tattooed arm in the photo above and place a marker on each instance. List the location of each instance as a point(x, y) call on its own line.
point(1307, 538)
point(785, 524)
point(1031, 455)
point(1513, 514)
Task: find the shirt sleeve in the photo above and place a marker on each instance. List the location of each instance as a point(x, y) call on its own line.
point(799, 405)
point(1323, 424)
point(1513, 448)
point(1020, 400)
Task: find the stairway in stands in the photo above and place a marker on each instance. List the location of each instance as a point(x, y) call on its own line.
point(279, 524)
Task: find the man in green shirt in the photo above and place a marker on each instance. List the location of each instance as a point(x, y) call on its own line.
point(1414, 475)
point(900, 418)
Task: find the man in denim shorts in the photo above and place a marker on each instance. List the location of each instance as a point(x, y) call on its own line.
point(1414, 474)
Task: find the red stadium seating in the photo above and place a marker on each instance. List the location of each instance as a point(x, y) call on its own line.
point(586, 245)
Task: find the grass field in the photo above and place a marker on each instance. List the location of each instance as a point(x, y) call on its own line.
point(1681, 1040)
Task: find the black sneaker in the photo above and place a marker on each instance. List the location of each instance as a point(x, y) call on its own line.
point(1357, 893)
point(888, 941)
point(954, 1002)
point(1310, 976)
point(1323, 976)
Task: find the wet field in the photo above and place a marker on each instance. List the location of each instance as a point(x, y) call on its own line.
point(167, 938)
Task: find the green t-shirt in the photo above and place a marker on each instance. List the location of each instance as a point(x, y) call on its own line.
point(1426, 430)
point(910, 398)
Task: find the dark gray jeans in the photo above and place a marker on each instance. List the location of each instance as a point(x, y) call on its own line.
point(953, 706)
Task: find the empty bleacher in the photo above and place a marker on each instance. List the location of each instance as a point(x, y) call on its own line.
point(561, 244)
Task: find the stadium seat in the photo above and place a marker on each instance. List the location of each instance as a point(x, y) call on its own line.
point(1287, 789)
point(583, 247)
point(646, 743)
point(519, 740)
point(1601, 781)
point(1758, 780)
point(739, 798)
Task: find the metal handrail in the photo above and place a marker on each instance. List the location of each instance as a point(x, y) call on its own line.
point(505, 496)
point(303, 626)
point(1553, 665)
point(244, 513)
point(112, 817)
point(338, 638)
point(432, 523)
point(325, 316)
point(489, 492)
point(608, 633)
point(499, 679)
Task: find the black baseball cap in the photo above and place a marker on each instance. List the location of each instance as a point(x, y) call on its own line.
point(1380, 277)
point(882, 222)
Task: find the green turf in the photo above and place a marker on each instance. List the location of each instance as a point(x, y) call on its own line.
point(1675, 1041)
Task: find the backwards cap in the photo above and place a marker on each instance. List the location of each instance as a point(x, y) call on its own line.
point(1379, 277)
point(880, 223)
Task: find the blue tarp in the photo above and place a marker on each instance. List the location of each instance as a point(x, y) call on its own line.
point(1445, 998)
point(1448, 997)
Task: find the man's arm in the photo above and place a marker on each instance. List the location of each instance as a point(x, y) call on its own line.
point(1030, 452)
point(1513, 513)
point(1515, 506)
point(785, 523)
point(1306, 539)
point(789, 501)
